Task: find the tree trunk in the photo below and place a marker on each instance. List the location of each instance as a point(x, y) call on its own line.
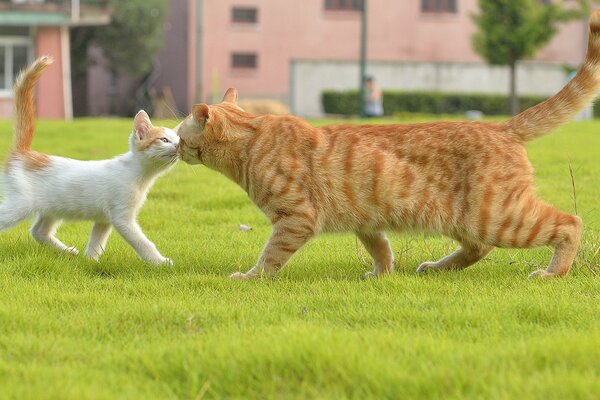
point(514, 100)
point(112, 92)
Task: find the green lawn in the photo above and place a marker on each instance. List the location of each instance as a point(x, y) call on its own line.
point(75, 329)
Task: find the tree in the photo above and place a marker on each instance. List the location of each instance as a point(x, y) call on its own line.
point(512, 30)
point(134, 35)
point(129, 43)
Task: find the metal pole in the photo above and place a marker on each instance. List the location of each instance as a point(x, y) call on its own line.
point(75, 10)
point(363, 58)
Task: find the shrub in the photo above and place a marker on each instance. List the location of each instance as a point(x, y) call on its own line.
point(346, 103)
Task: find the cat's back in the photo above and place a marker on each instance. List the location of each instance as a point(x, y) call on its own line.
point(366, 174)
point(422, 144)
point(54, 181)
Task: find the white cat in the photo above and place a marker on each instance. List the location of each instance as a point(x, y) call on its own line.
point(108, 192)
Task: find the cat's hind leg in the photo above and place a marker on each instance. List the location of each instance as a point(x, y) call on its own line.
point(544, 225)
point(468, 254)
point(43, 230)
point(98, 238)
point(11, 215)
point(378, 246)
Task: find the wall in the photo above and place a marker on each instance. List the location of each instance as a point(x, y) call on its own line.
point(50, 99)
point(290, 30)
point(50, 91)
point(99, 89)
point(175, 62)
point(310, 78)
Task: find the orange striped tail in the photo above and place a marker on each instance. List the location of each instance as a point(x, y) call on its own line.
point(543, 118)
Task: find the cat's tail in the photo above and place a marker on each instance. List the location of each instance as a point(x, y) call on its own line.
point(25, 103)
point(560, 108)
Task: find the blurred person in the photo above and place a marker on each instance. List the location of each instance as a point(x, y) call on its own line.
point(373, 100)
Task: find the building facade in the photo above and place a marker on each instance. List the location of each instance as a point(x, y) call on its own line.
point(291, 50)
point(29, 29)
point(286, 50)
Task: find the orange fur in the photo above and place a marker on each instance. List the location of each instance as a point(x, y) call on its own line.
point(154, 133)
point(25, 116)
point(470, 181)
point(33, 160)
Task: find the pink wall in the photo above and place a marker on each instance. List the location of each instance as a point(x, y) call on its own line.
point(397, 31)
point(50, 99)
point(6, 107)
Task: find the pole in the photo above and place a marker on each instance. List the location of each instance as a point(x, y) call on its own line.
point(363, 58)
point(75, 10)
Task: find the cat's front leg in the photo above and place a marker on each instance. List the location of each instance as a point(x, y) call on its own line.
point(288, 236)
point(97, 242)
point(132, 233)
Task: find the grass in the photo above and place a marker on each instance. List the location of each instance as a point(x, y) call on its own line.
point(75, 329)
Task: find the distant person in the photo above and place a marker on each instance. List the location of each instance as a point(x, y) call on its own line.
point(373, 99)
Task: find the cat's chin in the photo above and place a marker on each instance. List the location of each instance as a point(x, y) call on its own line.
point(188, 158)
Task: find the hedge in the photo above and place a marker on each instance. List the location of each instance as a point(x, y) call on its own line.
point(346, 103)
point(597, 108)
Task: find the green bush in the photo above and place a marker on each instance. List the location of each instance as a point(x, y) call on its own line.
point(346, 103)
point(596, 106)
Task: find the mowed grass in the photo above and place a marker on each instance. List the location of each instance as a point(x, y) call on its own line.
point(75, 329)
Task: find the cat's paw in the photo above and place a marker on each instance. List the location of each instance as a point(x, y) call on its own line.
point(162, 261)
point(72, 250)
point(370, 275)
point(426, 266)
point(541, 273)
point(239, 276)
point(91, 257)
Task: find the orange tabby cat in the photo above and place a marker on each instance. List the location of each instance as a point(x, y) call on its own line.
point(470, 181)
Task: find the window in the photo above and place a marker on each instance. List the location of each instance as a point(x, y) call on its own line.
point(244, 60)
point(244, 15)
point(438, 6)
point(352, 5)
point(15, 53)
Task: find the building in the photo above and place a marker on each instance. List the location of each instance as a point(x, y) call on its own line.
point(31, 28)
point(292, 50)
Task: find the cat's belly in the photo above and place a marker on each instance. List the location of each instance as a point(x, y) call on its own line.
point(76, 214)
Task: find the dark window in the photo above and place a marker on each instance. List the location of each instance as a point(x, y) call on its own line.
point(244, 60)
point(15, 54)
point(14, 31)
point(245, 15)
point(439, 6)
point(20, 59)
point(353, 5)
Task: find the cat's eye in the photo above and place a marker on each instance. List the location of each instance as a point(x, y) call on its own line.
point(164, 139)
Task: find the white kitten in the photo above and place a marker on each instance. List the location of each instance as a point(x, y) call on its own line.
point(108, 192)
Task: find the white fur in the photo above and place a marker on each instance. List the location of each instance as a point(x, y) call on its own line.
point(108, 192)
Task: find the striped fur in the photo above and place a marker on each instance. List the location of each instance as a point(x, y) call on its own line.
point(470, 181)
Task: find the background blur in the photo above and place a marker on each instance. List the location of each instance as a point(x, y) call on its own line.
point(114, 57)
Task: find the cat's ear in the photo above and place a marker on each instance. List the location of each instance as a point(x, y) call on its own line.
point(231, 96)
point(200, 113)
point(142, 125)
